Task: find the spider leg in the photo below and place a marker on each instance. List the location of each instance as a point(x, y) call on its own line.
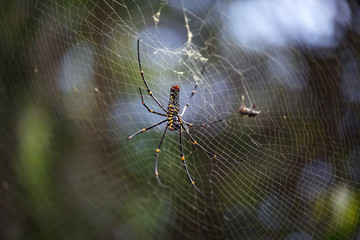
point(186, 168)
point(145, 129)
point(205, 150)
point(143, 78)
point(202, 125)
point(192, 94)
point(152, 111)
point(156, 158)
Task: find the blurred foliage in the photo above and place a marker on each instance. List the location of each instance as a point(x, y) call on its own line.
point(65, 174)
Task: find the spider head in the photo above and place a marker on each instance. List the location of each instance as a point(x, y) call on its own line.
point(175, 88)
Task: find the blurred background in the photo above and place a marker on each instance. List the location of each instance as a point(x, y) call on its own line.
point(69, 98)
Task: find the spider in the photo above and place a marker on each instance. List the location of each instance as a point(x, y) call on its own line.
point(174, 122)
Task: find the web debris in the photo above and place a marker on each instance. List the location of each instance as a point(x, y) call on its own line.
point(156, 16)
point(189, 33)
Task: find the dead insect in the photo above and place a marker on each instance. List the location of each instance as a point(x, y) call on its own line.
point(249, 112)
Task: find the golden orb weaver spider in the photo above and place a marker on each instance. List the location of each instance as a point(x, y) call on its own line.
point(174, 123)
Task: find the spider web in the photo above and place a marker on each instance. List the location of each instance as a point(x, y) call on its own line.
point(71, 99)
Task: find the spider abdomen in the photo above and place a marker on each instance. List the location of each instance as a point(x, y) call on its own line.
point(174, 108)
